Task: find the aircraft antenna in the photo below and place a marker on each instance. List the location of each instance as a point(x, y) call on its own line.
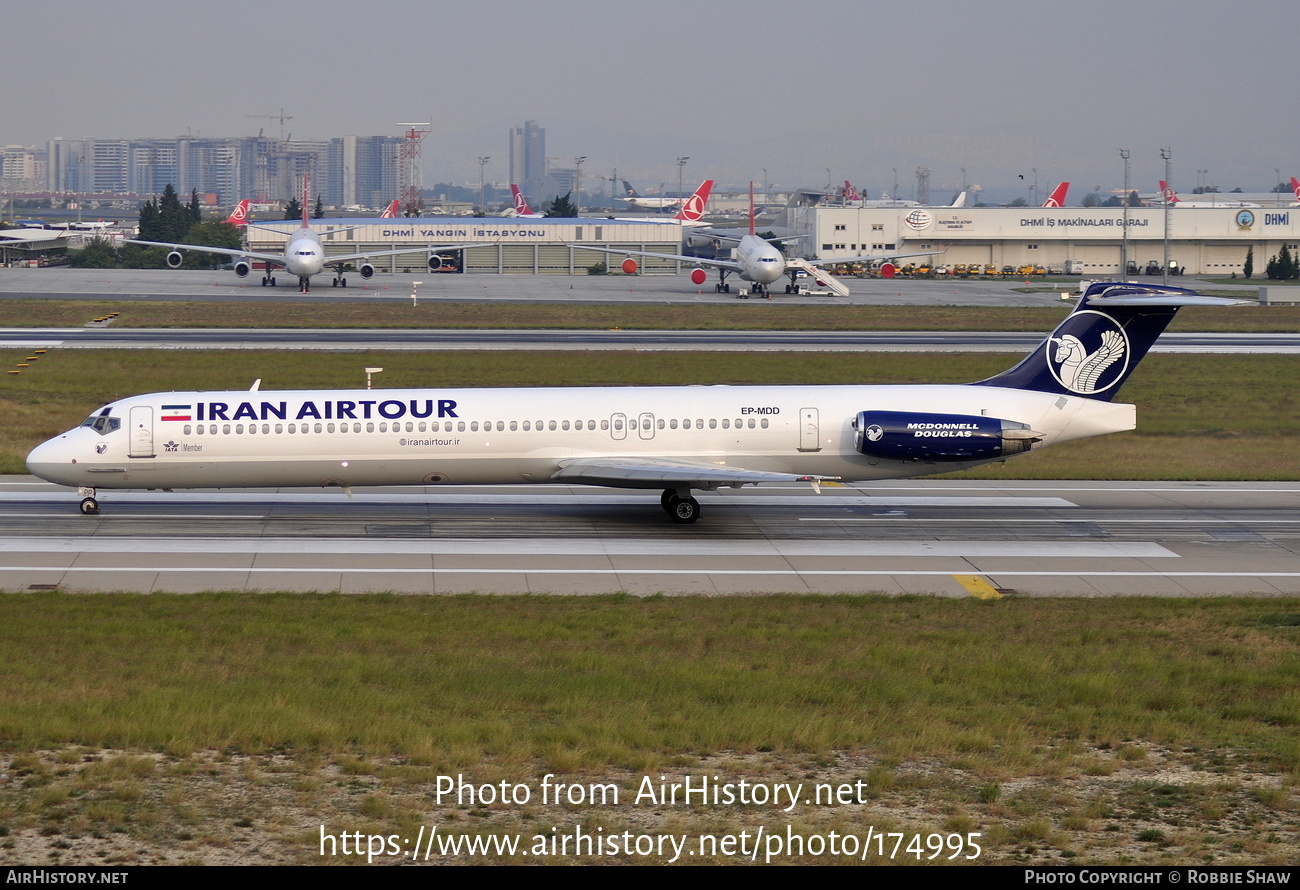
point(410, 167)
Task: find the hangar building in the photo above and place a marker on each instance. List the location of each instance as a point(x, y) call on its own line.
point(503, 246)
point(1204, 241)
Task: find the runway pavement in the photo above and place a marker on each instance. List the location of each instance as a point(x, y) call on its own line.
point(943, 537)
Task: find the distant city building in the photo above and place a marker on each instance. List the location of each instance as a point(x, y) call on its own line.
point(344, 171)
point(528, 156)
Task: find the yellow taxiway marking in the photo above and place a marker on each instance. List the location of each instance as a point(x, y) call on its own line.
point(978, 587)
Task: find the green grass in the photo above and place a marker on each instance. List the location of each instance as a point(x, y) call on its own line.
point(1210, 417)
point(592, 682)
point(502, 314)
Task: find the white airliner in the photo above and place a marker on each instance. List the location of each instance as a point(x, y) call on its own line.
point(673, 438)
point(1170, 197)
point(632, 199)
point(304, 255)
point(757, 261)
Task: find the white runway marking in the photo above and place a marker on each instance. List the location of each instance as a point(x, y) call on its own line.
point(586, 547)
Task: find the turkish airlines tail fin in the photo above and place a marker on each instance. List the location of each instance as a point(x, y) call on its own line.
point(390, 212)
point(850, 193)
point(1057, 197)
point(693, 207)
point(1167, 194)
point(239, 216)
point(521, 203)
point(305, 191)
point(1295, 187)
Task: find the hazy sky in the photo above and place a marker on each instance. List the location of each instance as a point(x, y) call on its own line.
point(999, 87)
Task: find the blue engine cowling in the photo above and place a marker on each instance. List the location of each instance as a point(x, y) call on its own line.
point(905, 435)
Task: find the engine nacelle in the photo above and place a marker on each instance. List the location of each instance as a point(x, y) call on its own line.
point(888, 270)
point(698, 276)
point(174, 259)
point(938, 438)
point(242, 268)
point(629, 266)
point(366, 271)
point(435, 263)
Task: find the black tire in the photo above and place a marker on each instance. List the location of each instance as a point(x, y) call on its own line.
point(89, 507)
point(666, 498)
point(684, 510)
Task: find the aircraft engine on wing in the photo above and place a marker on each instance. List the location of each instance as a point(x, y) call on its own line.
point(888, 270)
point(906, 435)
point(242, 268)
point(435, 263)
point(629, 266)
point(174, 259)
point(366, 271)
point(698, 276)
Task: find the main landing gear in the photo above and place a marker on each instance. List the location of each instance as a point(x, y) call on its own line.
point(682, 510)
point(268, 281)
point(89, 506)
point(339, 281)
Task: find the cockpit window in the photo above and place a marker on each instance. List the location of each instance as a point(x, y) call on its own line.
point(102, 423)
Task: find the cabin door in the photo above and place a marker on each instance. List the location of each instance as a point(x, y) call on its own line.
point(141, 431)
point(809, 431)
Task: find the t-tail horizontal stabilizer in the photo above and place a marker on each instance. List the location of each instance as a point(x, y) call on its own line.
point(1092, 352)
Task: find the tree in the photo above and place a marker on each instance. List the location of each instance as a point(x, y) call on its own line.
point(1092, 199)
point(98, 253)
point(562, 207)
point(318, 212)
point(1249, 268)
point(1019, 202)
point(196, 210)
point(293, 210)
point(173, 219)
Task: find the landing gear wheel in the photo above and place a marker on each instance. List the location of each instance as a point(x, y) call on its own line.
point(666, 498)
point(726, 288)
point(683, 510)
point(272, 281)
point(717, 288)
point(343, 282)
point(89, 507)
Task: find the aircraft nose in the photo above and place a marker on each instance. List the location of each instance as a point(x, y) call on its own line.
point(53, 460)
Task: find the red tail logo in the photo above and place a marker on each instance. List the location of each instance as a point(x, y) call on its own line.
point(390, 212)
point(521, 203)
point(1168, 194)
point(239, 216)
point(693, 208)
point(1057, 197)
point(1295, 187)
point(850, 193)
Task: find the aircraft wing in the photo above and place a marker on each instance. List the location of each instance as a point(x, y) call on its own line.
point(331, 259)
point(622, 472)
point(275, 258)
point(679, 257)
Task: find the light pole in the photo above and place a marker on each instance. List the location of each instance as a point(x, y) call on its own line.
point(577, 188)
point(681, 163)
point(1167, 154)
point(766, 199)
point(1123, 250)
point(482, 162)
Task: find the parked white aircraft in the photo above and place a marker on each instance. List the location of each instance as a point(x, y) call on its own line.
point(521, 210)
point(674, 438)
point(1170, 197)
point(757, 261)
point(304, 255)
point(634, 200)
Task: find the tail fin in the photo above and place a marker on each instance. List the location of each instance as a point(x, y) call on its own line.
point(628, 190)
point(693, 207)
point(1057, 197)
point(239, 216)
point(1167, 194)
point(390, 212)
point(1295, 187)
point(850, 193)
point(959, 201)
point(305, 192)
point(1092, 352)
point(751, 207)
point(521, 203)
